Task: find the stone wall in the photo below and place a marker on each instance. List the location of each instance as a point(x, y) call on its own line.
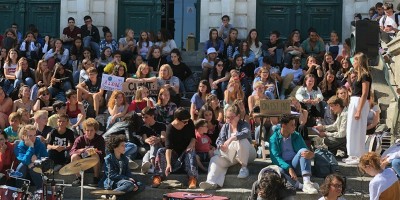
point(242, 13)
point(103, 13)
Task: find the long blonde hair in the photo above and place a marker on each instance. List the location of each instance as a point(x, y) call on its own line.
point(236, 94)
point(113, 98)
point(139, 73)
point(363, 68)
point(138, 94)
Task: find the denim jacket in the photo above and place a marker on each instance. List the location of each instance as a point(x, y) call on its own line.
point(243, 132)
point(115, 170)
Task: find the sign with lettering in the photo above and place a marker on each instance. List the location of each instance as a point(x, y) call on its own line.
point(111, 82)
point(129, 89)
point(274, 107)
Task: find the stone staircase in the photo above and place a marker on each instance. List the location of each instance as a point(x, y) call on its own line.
point(234, 188)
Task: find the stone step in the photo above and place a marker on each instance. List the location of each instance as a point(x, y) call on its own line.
point(234, 194)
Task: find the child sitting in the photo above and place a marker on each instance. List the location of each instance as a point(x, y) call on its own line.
point(12, 131)
point(25, 116)
point(141, 100)
point(91, 91)
point(204, 150)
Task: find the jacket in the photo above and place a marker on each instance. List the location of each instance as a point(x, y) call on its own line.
point(8, 158)
point(275, 145)
point(115, 170)
point(338, 128)
point(243, 133)
point(25, 153)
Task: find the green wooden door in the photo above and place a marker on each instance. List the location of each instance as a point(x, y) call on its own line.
point(286, 15)
point(44, 14)
point(140, 15)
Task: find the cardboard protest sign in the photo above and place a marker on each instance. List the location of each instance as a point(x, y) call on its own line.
point(129, 89)
point(111, 82)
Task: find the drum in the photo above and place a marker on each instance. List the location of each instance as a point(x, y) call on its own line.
point(10, 193)
point(39, 195)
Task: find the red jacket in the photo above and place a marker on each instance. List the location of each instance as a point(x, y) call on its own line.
point(7, 158)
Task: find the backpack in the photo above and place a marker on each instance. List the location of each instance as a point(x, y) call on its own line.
point(325, 163)
point(373, 143)
point(396, 19)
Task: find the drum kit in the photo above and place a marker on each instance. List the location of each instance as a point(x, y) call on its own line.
point(56, 189)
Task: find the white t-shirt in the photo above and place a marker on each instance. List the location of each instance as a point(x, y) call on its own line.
point(389, 20)
point(297, 73)
point(205, 60)
point(340, 198)
point(11, 68)
point(381, 182)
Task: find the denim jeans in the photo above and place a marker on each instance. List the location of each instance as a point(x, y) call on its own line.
point(87, 42)
point(8, 86)
point(36, 177)
point(28, 81)
point(219, 92)
point(127, 187)
point(301, 166)
point(34, 92)
point(58, 93)
point(396, 166)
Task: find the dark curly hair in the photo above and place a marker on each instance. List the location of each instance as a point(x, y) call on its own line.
point(114, 141)
point(324, 189)
point(269, 186)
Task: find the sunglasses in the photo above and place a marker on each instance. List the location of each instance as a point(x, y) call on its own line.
point(45, 94)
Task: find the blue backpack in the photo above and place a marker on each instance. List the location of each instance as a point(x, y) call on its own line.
point(325, 163)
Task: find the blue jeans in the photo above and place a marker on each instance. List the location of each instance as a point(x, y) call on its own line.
point(75, 76)
point(87, 42)
point(36, 177)
point(396, 165)
point(34, 92)
point(58, 93)
point(28, 81)
point(301, 166)
point(127, 187)
point(219, 92)
point(8, 87)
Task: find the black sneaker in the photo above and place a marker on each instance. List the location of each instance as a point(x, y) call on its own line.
point(76, 182)
point(95, 182)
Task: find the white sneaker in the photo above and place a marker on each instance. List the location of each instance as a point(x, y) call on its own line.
point(208, 186)
point(132, 164)
point(346, 159)
point(309, 188)
point(151, 170)
point(243, 173)
point(145, 167)
point(353, 161)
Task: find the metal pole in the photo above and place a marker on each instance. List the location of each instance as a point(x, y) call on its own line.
point(183, 10)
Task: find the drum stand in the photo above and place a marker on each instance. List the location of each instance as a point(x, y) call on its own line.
point(25, 185)
point(82, 172)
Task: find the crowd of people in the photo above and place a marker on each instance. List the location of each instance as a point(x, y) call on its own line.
point(51, 93)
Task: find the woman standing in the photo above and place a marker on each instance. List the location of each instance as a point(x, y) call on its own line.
point(358, 109)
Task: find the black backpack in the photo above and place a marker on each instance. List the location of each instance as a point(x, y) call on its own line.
point(396, 19)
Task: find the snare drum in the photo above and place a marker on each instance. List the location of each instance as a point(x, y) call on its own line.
point(39, 195)
point(10, 193)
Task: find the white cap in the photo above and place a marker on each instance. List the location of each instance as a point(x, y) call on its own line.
point(211, 50)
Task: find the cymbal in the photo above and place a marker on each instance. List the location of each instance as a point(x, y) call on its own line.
point(79, 165)
point(107, 192)
point(39, 170)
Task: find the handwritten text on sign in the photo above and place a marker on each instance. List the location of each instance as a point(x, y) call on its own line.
point(275, 107)
point(129, 89)
point(110, 82)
